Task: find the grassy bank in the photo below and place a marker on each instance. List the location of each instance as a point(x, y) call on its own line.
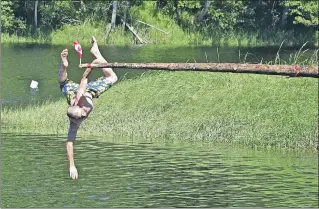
point(252, 110)
point(176, 35)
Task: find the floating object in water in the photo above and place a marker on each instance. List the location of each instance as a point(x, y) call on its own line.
point(34, 84)
point(104, 198)
point(92, 197)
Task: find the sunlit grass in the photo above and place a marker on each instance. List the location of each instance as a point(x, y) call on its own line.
point(14, 38)
point(68, 33)
point(252, 110)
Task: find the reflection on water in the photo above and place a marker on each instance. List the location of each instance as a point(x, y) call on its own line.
point(128, 173)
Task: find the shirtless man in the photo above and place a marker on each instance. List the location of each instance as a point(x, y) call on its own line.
point(79, 97)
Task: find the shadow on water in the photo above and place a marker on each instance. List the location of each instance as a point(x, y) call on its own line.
point(135, 173)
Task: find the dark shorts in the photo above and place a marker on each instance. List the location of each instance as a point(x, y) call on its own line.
point(95, 88)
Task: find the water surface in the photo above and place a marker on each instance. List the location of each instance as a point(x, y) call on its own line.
point(116, 172)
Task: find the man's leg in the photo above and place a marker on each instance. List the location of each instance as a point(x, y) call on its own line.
point(108, 72)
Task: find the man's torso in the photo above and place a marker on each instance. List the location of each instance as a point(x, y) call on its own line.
point(85, 102)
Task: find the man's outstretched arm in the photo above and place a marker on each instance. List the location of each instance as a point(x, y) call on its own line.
point(69, 147)
point(83, 85)
point(63, 68)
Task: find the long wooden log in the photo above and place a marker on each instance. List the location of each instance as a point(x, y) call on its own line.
point(285, 70)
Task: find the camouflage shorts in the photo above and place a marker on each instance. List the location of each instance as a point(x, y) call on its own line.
point(95, 88)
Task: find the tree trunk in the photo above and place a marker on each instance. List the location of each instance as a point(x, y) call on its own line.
point(285, 70)
point(83, 6)
point(177, 11)
point(284, 16)
point(204, 11)
point(159, 4)
point(127, 6)
point(111, 26)
point(108, 31)
point(114, 15)
point(36, 14)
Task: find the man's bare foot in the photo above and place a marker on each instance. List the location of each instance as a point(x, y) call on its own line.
point(93, 40)
point(64, 55)
point(95, 49)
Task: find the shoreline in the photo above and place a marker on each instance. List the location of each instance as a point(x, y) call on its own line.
point(83, 136)
point(294, 47)
point(176, 37)
point(29, 41)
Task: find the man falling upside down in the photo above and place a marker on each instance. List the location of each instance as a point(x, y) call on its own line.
point(79, 96)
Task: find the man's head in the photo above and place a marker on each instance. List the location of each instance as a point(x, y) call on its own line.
point(75, 112)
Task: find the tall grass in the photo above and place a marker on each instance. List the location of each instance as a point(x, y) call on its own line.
point(253, 110)
point(14, 39)
point(301, 57)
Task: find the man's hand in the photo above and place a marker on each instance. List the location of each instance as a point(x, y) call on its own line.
point(73, 172)
point(64, 56)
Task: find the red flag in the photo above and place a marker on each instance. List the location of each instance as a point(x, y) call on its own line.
point(78, 48)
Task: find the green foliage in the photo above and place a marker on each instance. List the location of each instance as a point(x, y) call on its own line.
point(189, 4)
point(54, 14)
point(97, 10)
point(7, 15)
point(188, 22)
point(305, 11)
point(9, 23)
point(224, 14)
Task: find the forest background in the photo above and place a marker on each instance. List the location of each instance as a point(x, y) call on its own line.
point(174, 22)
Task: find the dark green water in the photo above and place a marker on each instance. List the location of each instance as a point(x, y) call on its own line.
point(116, 172)
point(129, 173)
